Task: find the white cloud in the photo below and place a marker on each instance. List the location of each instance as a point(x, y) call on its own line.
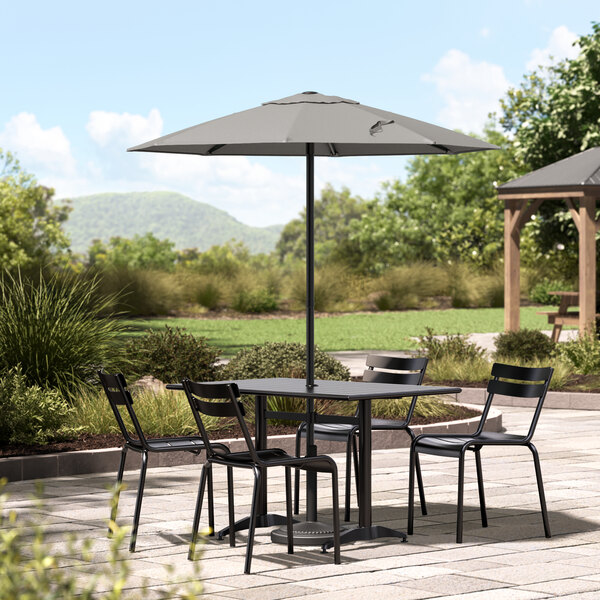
point(470, 90)
point(484, 32)
point(560, 46)
point(38, 149)
point(124, 129)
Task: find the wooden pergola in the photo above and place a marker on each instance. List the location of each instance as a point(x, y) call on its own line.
point(576, 180)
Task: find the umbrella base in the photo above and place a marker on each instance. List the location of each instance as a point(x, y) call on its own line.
point(306, 533)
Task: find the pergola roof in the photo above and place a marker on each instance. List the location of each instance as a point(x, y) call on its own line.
point(580, 172)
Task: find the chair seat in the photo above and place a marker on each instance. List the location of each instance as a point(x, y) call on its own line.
point(451, 445)
point(332, 432)
point(190, 444)
point(388, 424)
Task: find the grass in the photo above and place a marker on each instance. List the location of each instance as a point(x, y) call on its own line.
point(372, 331)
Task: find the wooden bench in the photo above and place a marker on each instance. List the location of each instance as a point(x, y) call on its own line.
point(562, 316)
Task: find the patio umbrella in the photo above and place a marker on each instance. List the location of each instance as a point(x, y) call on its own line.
point(311, 124)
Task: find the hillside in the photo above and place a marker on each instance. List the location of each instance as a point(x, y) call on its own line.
point(188, 223)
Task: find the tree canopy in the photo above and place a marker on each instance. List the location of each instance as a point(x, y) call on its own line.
point(30, 223)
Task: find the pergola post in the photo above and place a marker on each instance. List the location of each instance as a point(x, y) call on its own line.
point(587, 264)
point(512, 265)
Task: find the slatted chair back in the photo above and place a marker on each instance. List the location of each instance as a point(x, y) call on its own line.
point(119, 396)
point(230, 408)
point(523, 382)
point(409, 371)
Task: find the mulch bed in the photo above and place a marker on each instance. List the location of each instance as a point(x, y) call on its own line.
point(113, 440)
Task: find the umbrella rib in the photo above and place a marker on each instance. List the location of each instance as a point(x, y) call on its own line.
point(215, 148)
point(443, 148)
point(333, 149)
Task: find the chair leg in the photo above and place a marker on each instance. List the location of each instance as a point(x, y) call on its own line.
point(540, 484)
point(356, 468)
point(201, 486)
point(297, 476)
point(231, 506)
point(288, 509)
point(252, 524)
point(211, 504)
point(411, 490)
point(459, 504)
point(138, 502)
point(484, 521)
point(348, 476)
point(420, 485)
point(336, 519)
point(115, 498)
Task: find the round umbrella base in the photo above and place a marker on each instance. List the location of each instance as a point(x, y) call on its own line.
point(306, 533)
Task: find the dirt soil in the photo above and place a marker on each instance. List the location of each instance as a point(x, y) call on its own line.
point(113, 440)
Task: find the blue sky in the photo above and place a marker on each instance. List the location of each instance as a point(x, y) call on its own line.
point(82, 81)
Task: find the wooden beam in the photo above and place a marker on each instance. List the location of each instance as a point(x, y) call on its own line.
point(512, 264)
point(587, 265)
point(573, 212)
point(526, 214)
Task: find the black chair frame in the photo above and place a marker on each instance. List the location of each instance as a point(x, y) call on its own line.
point(536, 384)
point(119, 396)
point(256, 460)
point(414, 371)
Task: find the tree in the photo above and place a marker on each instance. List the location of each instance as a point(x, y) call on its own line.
point(447, 210)
point(30, 224)
point(140, 252)
point(554, 114)
point(334, 212)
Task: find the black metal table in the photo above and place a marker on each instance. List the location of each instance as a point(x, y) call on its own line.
point(326, 390)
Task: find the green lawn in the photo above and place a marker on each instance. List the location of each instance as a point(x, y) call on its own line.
point(375, 331)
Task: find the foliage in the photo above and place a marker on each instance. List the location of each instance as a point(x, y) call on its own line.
point(259, 300)
point(471, 288)
point(206, 290)
point(407, 286)
point(171, 355)
point(57, 329)
point(539, 292)
point(447, 210)
point(525, 344)
point(582, 354)
point(426, 407)
point(140, 292)
point(140, 252)
point(160, 414)
point(223, 261)
point(31, 567)
point(30, 224)
point(456, 347)
point(168, 215)
point(554, 114)
point(30, 414)
point(334, 212)
point(331, 283)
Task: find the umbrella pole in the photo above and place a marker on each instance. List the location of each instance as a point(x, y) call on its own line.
point(310, 265)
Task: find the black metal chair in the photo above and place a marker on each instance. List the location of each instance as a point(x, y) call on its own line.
point(256, 460)
point(119, 396)
point(406, 371)
point(534, 384)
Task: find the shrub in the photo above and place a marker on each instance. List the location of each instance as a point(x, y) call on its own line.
point(582, 353)
point(206, 291)
point(284, 359)
point(454, 347)
point(171, 355)
point(330, 287)
point(539, 292)
point(57, 330)
point(469, 288)
point(524, 345)
point(30, 414)
point(258, 300)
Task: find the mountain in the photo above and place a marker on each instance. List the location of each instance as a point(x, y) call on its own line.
point(168, 215)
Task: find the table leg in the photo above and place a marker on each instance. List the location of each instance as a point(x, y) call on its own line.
point(311, 450)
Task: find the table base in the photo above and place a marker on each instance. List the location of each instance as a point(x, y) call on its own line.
point(363, 534)
point(268, 520)
point(306, 533)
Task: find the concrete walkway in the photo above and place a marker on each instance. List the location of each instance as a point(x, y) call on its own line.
point(509, 559)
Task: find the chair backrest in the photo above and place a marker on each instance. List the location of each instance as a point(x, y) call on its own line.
point(119, 396)
point(197, 394)
point(406, 370)
point(523, 382)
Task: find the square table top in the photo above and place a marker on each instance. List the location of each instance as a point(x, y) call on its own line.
point(337, 390)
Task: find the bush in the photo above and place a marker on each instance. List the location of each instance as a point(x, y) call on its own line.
point(539, 292)
point(57, 330)
point(524, 345)
point(330, 287)
point(259, 300)
point(454, 347)
point(172, 355)
point(30, 414)
point(583, 354)
point(471, 289)
point(206, 291)
point(284, 359)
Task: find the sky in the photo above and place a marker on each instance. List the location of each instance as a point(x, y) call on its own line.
point(83, 81)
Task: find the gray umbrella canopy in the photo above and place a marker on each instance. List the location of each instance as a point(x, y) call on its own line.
point(311, 124)
point(336, 126)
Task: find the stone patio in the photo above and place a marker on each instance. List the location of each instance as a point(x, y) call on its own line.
point(509, 559)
